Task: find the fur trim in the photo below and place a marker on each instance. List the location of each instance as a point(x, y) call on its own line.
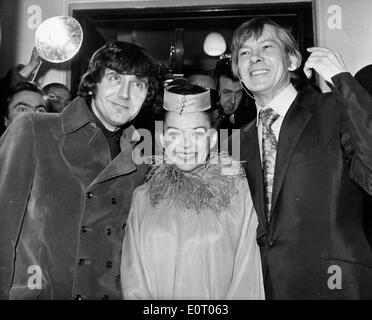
point(212, 187)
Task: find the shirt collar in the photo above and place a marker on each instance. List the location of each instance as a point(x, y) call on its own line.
point(281, 103)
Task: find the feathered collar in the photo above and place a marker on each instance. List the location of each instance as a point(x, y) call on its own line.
point(209, 186)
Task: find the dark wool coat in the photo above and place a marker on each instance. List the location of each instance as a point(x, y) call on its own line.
point(63, 206)
point(323, 164)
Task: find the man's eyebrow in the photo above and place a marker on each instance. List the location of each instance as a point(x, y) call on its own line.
point(244, 46)
point(269, 40)
point(24, 104)
point(199, 127)
point(260, 41)
point(110, 71)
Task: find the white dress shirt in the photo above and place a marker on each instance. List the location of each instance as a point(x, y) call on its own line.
point(280, 104)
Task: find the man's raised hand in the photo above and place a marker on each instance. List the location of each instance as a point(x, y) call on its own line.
point(326, 62)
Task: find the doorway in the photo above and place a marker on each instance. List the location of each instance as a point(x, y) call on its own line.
point(183, 29)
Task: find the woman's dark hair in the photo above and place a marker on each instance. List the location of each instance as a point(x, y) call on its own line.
point(124, 58)
point(184, 87)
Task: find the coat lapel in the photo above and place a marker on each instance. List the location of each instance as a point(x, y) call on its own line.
point(83, 145)
point(86, 149)
point(250, 153)
point(294, 123)
point(122, 164)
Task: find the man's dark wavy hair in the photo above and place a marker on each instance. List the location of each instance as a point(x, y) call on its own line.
point(124, 58)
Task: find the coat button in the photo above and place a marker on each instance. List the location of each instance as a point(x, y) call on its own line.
point(89, 195)
point(114, 201)
point(84, 229)
point(105, 297)
point(271, 242)
point(109, 264)
point(108, 231)
point(81, 261)
point(79, 297)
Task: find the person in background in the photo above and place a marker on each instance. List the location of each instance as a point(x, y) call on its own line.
point(204, 79)
point(58, 96)
point(24, 97)
point(20, 73)
point(66, 181)
point(237, 108)
point(308, 161)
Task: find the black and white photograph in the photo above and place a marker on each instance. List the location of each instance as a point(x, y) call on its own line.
point(186, 157)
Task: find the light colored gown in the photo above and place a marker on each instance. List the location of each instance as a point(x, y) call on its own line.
point(172, 253)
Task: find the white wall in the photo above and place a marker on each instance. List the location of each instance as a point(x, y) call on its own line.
point(346, 26)
point(19, 18)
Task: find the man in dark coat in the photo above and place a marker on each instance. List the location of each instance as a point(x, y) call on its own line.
point(316, 151)
point(66, 182)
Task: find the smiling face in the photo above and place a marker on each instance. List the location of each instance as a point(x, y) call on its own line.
point(263, 65)
point(187, 139)
point(25, 101)
point(118, 98)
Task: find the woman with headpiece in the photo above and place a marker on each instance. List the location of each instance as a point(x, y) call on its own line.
point(191, 230)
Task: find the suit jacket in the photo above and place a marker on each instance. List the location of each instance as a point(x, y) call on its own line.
point(63, 206)
point(314, 246)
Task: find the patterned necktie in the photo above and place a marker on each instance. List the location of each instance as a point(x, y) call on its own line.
point(269, 146)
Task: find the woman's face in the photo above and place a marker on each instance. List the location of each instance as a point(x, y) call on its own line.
point(187, 139)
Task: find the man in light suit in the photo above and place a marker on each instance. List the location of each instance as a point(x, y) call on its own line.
point(308, 158)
